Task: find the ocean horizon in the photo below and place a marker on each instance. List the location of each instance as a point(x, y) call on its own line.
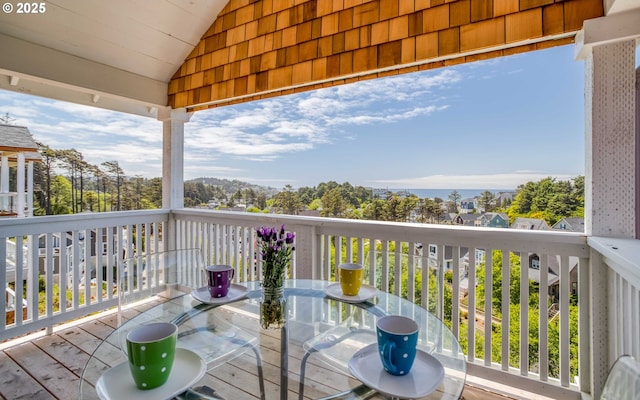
point(444, 193)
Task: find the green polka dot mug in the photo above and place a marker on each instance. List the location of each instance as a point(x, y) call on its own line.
point(397, 340)
point(151, 349)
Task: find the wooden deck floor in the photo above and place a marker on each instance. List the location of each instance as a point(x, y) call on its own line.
point(50, 366)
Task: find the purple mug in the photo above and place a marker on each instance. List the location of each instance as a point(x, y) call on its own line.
point(219, 279)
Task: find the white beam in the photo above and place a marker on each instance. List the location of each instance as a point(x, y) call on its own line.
point(42, 71)
point(605, 30)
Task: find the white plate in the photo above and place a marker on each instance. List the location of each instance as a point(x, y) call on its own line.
point(236, 292)
point(117, 383)
point(366, 292)
point(425, 376)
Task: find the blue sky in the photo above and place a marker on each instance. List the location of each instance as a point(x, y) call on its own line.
point(485, 125)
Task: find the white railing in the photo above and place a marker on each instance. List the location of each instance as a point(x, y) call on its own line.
point(394, 259)
point(615, 277)
point(398, 259)
point(56, 288)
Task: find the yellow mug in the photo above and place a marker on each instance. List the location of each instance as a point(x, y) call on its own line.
point(350, 276)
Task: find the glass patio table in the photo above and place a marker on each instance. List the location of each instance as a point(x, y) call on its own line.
point(326, 342)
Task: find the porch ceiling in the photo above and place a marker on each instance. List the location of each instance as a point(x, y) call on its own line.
point(121, 54)
point(116, 54)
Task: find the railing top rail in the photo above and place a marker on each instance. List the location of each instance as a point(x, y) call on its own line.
point(621, 255)
point(58, 223)
point(551, 242)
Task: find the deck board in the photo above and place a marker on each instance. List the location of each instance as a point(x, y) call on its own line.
point(50, 367)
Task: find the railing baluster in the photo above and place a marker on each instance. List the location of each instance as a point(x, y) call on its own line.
point(20, 261)
point(564, 321)
point(49, 279)
point(543, 333)
point(488, 306)
point(471, 309)
point(506, 276)
point(411, 273)
point(98, 260)
point(524, 313)
point(62, 270)
point(455, 296)
point(384, 266)
point(584, 319)
point(3, 278)
point(373, 271)
point(397, 273)
point(349, 249)
point(440, 282)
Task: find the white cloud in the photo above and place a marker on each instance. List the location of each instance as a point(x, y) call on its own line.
point(509, 180)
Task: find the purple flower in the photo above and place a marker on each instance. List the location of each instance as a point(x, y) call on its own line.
point(276, 247)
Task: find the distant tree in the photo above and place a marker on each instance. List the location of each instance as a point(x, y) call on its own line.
point(261, 200)
point(117, 175)
point(249, 196)
point(333, 204)
point(393, 209)
point(44, 179)
point(549, 199)
point(406, 206)
point(60, 195)
point(287, 201)
point(455, 197)
point(376, 210)
point(315, 204)
point(307, 194)
point(486, 201)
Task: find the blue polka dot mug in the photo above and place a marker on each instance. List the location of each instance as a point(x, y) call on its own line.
point(151, 349)
point(397, 340)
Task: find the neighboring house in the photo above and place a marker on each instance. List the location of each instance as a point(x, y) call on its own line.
point(533, 224)
point(502, 198)
point(17, 149)
point(467, 206)
point(553, 279)
point(569, 224)
point(494, 220)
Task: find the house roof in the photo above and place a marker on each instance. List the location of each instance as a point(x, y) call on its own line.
point(571, 224)
point(491, 215)
point(16, 139)
point(530, 223)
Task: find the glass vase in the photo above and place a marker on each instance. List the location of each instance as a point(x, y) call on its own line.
point(273, 308)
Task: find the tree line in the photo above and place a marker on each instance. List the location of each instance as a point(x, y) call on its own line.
point(65, 183)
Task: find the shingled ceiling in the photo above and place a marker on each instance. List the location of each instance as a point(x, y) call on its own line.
point(257, 49)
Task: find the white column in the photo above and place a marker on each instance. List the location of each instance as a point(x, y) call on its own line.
point(610, 181)
point(4, 174)
point(4, 182)
point(173, 156)
point(30, 189)
point(638, 152)
point(20, 185)
point(607, 45)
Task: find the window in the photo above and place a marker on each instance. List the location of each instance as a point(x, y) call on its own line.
point(433, 251)
point(534, 261)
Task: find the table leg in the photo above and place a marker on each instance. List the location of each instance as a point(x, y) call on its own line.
point(284, 364)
